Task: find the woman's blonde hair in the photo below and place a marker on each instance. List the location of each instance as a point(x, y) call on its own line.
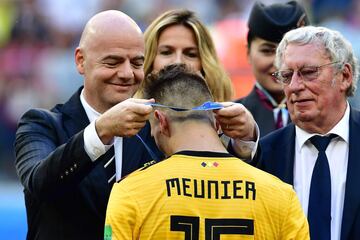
point(217, 79)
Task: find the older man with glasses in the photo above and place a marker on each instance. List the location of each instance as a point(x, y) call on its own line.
point(318, 152)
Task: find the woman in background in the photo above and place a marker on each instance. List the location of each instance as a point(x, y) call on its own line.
point(178, 36)
point(267, 24)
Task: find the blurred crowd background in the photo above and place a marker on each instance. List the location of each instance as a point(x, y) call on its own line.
point(38, 38)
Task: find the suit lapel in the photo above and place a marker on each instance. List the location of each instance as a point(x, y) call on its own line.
point(94, 186)
point(75, 118)
point(131, 154)
point(286, 153)
point(135, 154)
point(277, 153)
point(352, 194)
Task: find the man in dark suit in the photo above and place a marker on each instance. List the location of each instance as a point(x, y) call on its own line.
point(318, 71)
point(267, 25)
point(68, 158)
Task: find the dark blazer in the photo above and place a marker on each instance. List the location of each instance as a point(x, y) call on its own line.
point(65, 192)
point(276, 156)
point(263, 116)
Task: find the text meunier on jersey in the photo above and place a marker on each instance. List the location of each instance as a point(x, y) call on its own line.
point(211, 189)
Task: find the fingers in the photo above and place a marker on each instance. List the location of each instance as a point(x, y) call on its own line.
point(235, 121)
point(132, 128)
point(137, 106)
point(230, 110)
point(232, 114)
point(143, 101)
point(228, 104)
point(124, 119)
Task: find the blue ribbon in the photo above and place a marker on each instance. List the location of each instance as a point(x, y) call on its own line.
point(152, 154)
point(206, 106)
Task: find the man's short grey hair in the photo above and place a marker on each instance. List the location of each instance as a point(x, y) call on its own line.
point(336, 46)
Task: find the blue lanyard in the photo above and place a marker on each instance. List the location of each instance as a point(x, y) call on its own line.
point(152, 154)
point(206, 106)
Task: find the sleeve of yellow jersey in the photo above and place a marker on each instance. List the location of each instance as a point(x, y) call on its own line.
point(295, 225)
point(121, 216)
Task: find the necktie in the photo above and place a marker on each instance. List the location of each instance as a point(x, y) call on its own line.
point(319, 211)
point(279, 120)
point(264, 99)
point(269, 103)
point(109, 165)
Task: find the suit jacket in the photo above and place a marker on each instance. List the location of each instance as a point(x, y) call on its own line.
point(276, 156)
point(65, 192)
point(263, 116)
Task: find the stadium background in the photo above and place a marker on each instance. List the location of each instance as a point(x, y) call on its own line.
point(38, 37)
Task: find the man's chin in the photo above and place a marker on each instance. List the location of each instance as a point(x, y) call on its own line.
point(119, 97)
point(303, 117)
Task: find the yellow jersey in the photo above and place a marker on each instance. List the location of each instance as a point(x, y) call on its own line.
point(203, 195)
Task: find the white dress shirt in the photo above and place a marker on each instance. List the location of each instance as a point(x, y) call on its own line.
point(246, 148)
point(93, 145)
point(337, 153)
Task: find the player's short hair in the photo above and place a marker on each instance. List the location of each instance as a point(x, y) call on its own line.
point(178, 86)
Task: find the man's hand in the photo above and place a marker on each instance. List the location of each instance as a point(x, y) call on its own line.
point(236, 121)
point(125, 119)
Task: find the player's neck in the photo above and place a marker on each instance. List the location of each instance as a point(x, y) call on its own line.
point(199, 138)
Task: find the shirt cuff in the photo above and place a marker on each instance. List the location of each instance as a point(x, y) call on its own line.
point(92, 143)
point(246, 149)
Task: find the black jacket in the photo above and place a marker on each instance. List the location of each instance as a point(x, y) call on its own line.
point(65, 192)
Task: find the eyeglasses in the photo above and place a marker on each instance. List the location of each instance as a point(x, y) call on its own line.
point(308, 73)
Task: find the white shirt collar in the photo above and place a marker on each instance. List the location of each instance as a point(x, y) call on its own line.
point(341, 129)
point(91, 113)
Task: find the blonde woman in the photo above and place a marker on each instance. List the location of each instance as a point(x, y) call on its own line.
point(178, 36)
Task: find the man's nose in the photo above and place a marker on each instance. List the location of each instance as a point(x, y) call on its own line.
point(296, 82)
point(126, 70)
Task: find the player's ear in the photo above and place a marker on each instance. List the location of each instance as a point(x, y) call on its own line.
point(157, 115)
point(163, 123)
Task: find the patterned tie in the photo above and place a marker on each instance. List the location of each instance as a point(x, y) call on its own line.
point(269, 103)
point(264, 99)
point(109, 165)
point(109, 161)
point(279, 120)
point(319, 211)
